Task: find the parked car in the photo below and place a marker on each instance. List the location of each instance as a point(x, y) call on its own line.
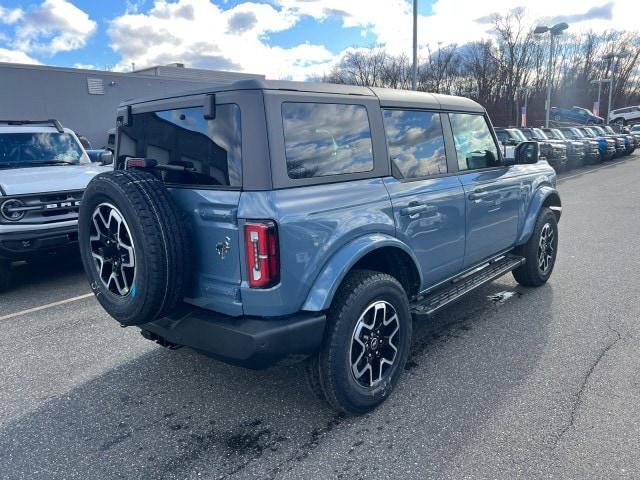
point(608, 146)
point(635, 131)
point(312, 228)
point(510, 138)
point(43, 172)
point(577, 115)
point(621, 140)
point(628, 140)
point(623, 116)
point(554, 151)
point(576, 150)
point(591, 145)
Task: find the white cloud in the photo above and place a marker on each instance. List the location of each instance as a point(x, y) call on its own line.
point(10, 16)
point(201, 34)
point(15, 56)
point(53, 26)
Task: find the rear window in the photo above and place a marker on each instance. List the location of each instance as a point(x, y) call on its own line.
point(324, 139)
point(209, 149)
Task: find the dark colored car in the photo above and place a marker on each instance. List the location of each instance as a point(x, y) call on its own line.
point(622, 143)
point(576, 149)
point(554, 151)
point(607, 145)
point(578, 115)
point(591, 145)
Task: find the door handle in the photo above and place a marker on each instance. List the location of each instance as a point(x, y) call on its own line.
point(483, 194)
point(416, 209)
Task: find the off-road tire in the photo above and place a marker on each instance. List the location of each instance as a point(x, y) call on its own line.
point(530, 274)
point(5, 276)
point(329, 372)
point(160, 240)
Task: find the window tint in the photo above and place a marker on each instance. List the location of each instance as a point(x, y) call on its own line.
point(474, 143)
point(210, 149)
point(416, 143)
point(326, 139)
point(503, 136)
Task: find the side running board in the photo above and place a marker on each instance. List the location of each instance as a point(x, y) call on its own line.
point(457, 288)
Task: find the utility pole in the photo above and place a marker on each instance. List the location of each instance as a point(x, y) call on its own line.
point(414, 80)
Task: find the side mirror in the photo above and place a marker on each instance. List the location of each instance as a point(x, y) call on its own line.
point(104, 157)
point(527, 153)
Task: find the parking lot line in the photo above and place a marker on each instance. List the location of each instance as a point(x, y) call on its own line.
point(43, 307)
point(599, 167)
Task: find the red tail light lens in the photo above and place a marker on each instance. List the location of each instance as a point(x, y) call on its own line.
point(261, 247)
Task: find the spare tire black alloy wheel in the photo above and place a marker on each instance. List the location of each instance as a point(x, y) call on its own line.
point(112, 249)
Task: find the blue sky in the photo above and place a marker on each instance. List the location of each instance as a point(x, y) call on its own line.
point(280, 38)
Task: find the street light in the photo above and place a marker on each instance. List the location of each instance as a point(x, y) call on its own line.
point(612, 83)
point(554, 31)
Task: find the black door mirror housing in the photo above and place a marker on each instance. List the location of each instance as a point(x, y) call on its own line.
point(527, 153)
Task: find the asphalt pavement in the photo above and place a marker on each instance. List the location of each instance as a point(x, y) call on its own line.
point(510, 383)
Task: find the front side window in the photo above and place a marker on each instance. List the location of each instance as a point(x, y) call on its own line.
point(416, 143)
point(323, 139)
point(33, 149)
point(210, 150)
point(475, 146)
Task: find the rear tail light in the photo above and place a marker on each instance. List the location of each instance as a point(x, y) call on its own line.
point(261, 247)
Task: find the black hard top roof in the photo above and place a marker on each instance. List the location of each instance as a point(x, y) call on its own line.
point(388, 97)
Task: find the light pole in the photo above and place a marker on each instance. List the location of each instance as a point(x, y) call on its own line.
point(599, 82)
point(612, 82)
point(414, 73)
point(523, 114)
point(554, 31)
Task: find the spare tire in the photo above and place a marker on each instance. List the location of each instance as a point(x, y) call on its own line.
point(134, 246)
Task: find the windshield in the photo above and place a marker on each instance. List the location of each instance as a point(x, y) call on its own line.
point(539, 134)
point(518, 135)
point(558, 134)
point(599, 130)
point(608, 129)
point(578, 133)
point(33, 149)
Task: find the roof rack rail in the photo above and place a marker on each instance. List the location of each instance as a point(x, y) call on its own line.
point(51, 121)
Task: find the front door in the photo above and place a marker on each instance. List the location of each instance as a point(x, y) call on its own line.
point(428, 203)
point(493, 190)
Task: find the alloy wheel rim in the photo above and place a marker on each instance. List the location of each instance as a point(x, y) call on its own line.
point(546, 248)
point(112, 250)
point(373, 349)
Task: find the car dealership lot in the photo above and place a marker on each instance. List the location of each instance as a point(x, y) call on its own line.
point(510, 382)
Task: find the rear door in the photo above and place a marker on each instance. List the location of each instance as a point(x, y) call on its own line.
point(207, 191)
point(493, 190)
point(428, 200)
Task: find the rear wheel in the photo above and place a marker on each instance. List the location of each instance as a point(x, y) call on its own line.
point(133, 246)
point(539, 252)
point(366, 344)
point(5, 276)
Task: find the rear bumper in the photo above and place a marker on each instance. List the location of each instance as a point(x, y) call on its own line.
point(24, 245)
point(251, 342)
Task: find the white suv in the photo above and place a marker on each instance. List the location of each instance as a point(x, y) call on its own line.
point(43, 173)
point(625, 115)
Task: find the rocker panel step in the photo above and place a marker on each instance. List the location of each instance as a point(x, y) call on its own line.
point(462, 285)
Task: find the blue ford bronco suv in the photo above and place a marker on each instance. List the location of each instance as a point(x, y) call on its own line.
point(269, 221)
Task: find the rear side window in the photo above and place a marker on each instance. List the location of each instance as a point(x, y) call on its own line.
point(324, 139)
point(209, 149)
point(416, 143)
point(475, 146)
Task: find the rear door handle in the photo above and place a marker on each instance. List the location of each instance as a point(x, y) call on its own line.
point(483, 194)
point(415, 210)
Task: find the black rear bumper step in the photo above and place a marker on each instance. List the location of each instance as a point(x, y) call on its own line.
point(438, 299)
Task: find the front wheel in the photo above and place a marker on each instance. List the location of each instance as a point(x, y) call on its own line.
point(539, 252)
point(5, 276)
point(366, 344)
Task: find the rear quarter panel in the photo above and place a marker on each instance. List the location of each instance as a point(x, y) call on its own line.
point(314, 223)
